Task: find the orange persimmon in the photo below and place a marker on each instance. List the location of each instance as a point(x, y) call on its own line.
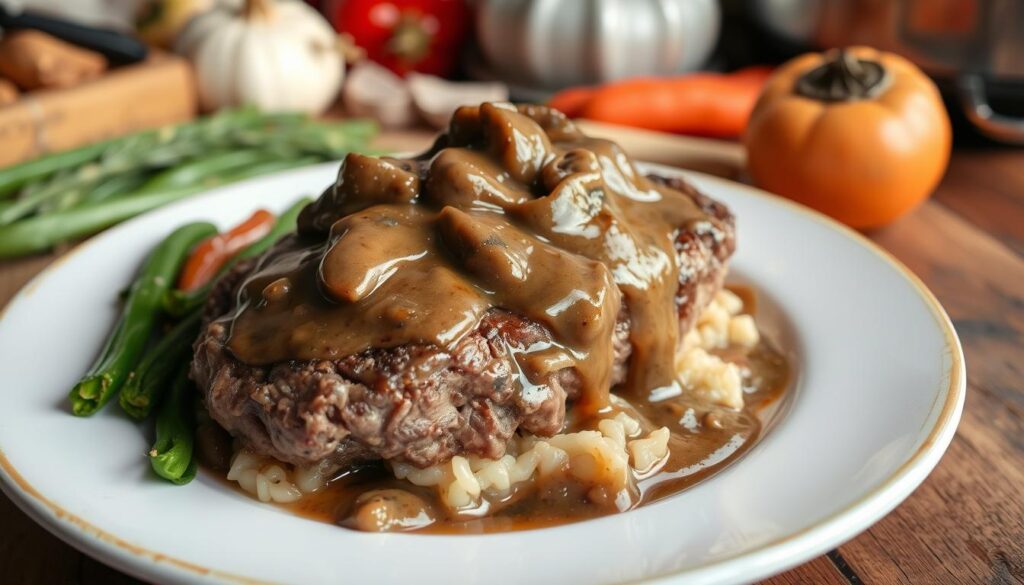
point(858, 134)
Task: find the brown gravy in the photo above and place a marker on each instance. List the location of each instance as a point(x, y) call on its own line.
point(518, 211)
point(704, 440)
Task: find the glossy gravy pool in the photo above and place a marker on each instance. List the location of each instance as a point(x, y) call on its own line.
point(704, 440)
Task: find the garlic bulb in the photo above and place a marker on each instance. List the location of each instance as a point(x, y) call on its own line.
point(277, 55)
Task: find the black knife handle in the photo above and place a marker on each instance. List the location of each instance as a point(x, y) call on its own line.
point(117, 47)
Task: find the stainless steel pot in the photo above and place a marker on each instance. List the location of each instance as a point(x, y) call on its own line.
point(971, 44)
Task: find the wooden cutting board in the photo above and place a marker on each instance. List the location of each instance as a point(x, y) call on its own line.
point(715, 157)
point(154, 93)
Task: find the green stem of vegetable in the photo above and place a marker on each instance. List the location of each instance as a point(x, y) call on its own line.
point(126, 183)
point(328, 141)
point(152, 149)
point(268, 167)
point(38, 234)
point(171, 455)
point(17, 176)
point(94, 190)
point(67, 199)
point(178, 302)
point(197, 171)
point(125, 346)
point(155, 372)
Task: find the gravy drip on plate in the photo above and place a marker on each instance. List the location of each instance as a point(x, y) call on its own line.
point(705, 438)
point(515, 209)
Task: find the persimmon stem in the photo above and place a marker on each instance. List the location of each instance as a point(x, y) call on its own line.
point(843, 77)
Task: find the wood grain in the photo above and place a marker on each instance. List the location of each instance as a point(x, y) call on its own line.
point(820, 571)
point(984, 187)
point(964, 524)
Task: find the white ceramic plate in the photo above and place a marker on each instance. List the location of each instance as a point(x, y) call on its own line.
point(880, 392)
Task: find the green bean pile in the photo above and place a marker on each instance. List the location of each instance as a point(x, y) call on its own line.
point(65, 196)
point(148, 369)
point(139, 315)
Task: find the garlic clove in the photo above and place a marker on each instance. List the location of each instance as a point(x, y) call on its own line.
point(373, 91)
point(436, 99)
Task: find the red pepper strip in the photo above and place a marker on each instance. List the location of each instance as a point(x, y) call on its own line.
point(207, 258)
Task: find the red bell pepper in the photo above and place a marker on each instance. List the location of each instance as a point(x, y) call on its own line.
point(405, 35)
point(207, 258)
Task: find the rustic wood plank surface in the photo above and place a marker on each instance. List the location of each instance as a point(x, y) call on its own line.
point(964, 524)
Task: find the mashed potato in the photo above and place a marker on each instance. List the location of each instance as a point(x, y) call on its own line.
point(602, 460)
point(705, 376)
point(271, 480)
point(606, 460)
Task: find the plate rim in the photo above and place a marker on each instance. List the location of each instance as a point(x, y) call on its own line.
point(769, 558)
point(901, 482)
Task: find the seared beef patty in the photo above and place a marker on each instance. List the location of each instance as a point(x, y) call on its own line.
point(419, 403)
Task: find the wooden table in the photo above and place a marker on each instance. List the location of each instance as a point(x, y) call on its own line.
point(964, 524)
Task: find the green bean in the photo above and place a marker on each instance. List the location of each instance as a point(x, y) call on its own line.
point(125, 346)
point(271, 166)
point(94, 191)
point(153, 149)
point(156, 370)
point(328, 141)
point(64, 201)
point(195, 172)
point(171, 455)
point(119, 185)
point(178, 302)
point(40, 233)
point(17, 176)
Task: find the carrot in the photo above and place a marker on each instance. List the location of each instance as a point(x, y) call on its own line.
point(757, 74)
point(212, 253)
point(707, 104)
point(572, 101)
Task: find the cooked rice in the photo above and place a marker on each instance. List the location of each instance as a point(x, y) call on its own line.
point(605, 460)
point(704, 375)
point(271, 480)
point(723, 323)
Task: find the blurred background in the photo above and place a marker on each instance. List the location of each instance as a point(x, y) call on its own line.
point(111, 108)
point(973, 48)
point(84, 85)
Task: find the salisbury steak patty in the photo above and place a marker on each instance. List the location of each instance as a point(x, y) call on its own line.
point(413, 402)
point(418, 403)
point(433, 306)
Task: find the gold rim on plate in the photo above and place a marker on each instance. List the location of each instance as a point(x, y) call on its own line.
point(33, 503)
